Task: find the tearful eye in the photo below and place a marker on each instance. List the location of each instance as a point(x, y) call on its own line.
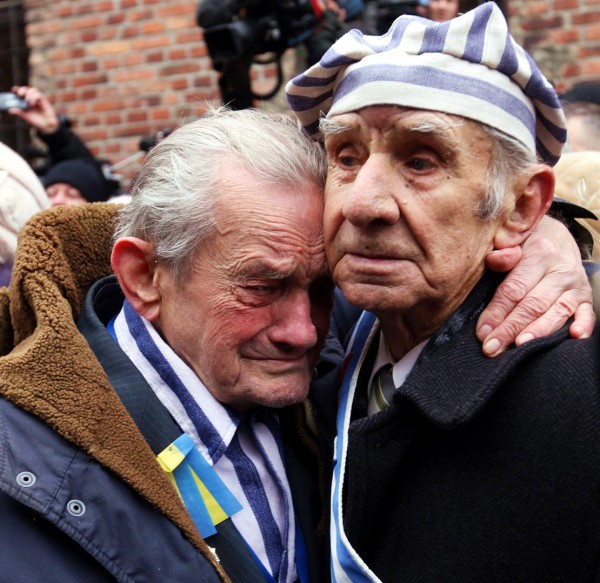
point(261, 289)
point(420, 164)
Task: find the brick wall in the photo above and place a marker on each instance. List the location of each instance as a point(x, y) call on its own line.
point(562, 35)
point(121, 69)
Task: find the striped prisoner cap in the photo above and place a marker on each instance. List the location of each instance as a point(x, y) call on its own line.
point(468, 66)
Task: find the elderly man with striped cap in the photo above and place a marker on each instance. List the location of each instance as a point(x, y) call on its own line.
point(449, 466)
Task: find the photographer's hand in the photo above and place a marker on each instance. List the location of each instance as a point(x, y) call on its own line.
point(41, 113)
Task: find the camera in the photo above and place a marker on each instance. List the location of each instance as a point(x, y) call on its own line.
point(246, 27)
point(240, 38)
point(9, 100)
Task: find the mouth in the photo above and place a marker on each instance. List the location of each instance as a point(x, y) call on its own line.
point(283, 365)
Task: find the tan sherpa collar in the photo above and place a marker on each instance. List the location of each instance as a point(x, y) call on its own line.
point(47, 367)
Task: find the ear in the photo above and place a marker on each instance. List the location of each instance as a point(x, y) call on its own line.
point(133, 262)
point(533, 196)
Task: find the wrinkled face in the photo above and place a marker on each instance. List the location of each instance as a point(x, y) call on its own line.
point(401, 229)
point(63, 194)
point(442, 10)
point(253, 316)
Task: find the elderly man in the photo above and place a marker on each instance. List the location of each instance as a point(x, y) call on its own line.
point(449, 466)
point(174, 382)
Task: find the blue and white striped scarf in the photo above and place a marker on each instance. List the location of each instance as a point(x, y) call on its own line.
point(245, 451)
point(347, 566)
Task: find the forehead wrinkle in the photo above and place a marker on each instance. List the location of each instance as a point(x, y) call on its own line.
point(266, 268)
point(439, 129)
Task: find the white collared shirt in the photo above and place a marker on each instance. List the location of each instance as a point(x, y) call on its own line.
point(401, 369)
point(228, 445)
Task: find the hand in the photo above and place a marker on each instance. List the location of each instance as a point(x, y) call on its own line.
point(546, 286)
point(41, 113)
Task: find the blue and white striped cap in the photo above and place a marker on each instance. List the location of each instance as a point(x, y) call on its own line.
point(469, 66)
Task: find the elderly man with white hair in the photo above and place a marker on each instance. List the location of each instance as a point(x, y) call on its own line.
point(449, 466)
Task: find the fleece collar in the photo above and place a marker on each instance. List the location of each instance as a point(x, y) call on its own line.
point(48, 369)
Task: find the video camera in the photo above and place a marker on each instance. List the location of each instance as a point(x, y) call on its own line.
point(252, 27)
point(386, 11)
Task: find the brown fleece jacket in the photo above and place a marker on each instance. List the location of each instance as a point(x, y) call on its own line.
point(47, 367)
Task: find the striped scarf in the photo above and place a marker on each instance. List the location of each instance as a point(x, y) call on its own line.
point(347, 566)
point(244, 450)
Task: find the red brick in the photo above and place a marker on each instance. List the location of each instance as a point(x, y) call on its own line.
point(152, 27)
point(179, 84)
point(535, 8)
point(585, 52)
point(566, 4)
point(586, 18)
point(591, 68)
point(543, 23)
point(107, 105)
point(565, 36)
point(89, 66)
point(143, 43)
point(133, 59)
point(92, 21)
point(177, 9)
point(592, 32)
point(157, 57)
point(140, 15)
point(179, 69)
point(89, 36)
point(136, 116)
point(116, 18)
point(177, 54)
point(160, 114)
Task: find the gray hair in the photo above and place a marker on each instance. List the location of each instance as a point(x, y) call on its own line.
point(508, 157)
point(172, 204)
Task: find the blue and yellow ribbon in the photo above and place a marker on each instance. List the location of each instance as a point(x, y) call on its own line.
point(206, 497)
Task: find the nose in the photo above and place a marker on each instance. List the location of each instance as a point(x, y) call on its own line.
point(372, 196)
point(293, 325)
point(57, 200)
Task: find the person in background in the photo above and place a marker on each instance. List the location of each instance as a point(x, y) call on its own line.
point(150, 421)
point(578, 182)
point(76, 181)
point(581, 105)
point(441, 10)
point(21, 196)
point(61, 143)
point(448, 466)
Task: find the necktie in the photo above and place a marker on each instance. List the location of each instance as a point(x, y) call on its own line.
point(383, 388)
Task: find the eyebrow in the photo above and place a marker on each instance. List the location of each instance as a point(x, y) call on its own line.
point(260, 269)
point(332, 127)
point(435, 128)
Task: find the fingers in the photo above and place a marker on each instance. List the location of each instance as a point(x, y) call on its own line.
point(32, 95)
point(585, 320)
point(503, 260)
point(41, 114)
point(537, 313)
point(510, 293)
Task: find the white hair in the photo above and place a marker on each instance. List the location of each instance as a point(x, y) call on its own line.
point(172, 204)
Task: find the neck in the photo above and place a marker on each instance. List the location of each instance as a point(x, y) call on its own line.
point(403, 331)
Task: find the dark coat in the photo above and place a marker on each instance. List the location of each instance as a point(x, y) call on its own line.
point(482, 469)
